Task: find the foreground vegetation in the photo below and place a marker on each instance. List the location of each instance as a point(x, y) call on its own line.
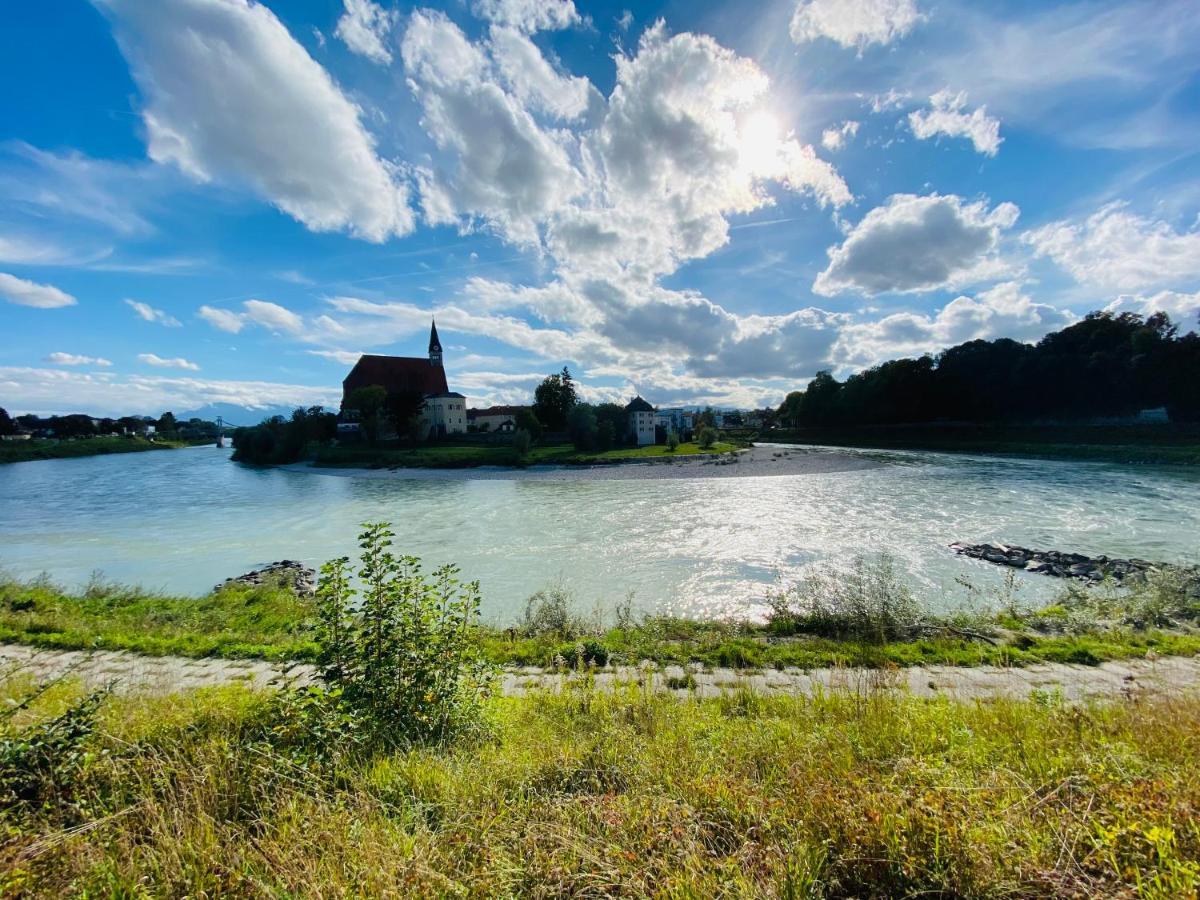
point(1154, 444)
point(24, 451)
point(863, 615)
point(634, 794)
point(463, 455)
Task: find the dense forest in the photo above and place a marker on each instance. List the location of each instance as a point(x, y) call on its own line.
point(1105, 365)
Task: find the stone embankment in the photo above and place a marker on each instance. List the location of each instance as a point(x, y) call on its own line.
point(1054, 562)
point(287, 572)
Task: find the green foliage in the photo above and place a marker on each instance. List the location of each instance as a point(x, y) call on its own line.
point(553, 399)
point(583, 427)
point(526, 420)
point(369, 406)
point(277, 440)
point(403, 665)
point(26, 451)
point(673, 440)
point(706, 437)
point(7, 425)
point(403, 411)
point(522, 443)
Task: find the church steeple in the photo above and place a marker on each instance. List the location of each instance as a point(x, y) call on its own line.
point(435, 346)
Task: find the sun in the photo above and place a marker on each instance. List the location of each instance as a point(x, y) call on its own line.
point(758, 144)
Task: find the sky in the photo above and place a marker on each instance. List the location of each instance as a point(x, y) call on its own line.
point(227, 201)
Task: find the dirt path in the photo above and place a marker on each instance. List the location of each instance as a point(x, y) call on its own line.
point(132, 673)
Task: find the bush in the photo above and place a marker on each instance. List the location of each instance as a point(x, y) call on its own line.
point(401, 667)
point(549, 612)
point(706, 437)
point(522, 442)
point(672, 441)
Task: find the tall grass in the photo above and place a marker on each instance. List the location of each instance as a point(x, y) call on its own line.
point(634, 794)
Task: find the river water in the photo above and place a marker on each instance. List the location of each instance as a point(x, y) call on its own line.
point(180, 521)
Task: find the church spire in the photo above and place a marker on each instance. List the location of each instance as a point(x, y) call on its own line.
point(435, 346)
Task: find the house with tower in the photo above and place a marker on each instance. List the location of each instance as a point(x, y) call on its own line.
point(444, 412)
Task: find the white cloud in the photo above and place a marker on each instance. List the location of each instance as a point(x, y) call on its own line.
point(272, 316)
point(529, 15)
point(893, 99)
point(29, 293)
point(229, 94)
point(914, 244)
point(854, 23)
point(72, 359)
point(150, 314)
point(837, 137)
point(59, 391)
point(176, 362)
point(223, 319)
point(534, 81)
point(946, 115)
point(1120, 250)
point(344, 357)
point(364, 28)
point(1184, 309)
point(22, 251)
point(1002, 311)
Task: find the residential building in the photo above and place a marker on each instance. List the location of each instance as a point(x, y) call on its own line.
point(642, 419)
point(494, 418)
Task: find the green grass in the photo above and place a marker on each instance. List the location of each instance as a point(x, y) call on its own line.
point(271, 623)
point(24, 451)
point(459, 456)
point(584, 794)
point(1158, 444)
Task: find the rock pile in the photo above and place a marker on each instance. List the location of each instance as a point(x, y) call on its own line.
point(1053, 562)
point(288, 572)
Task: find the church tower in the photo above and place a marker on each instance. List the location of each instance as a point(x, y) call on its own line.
point(435, 346)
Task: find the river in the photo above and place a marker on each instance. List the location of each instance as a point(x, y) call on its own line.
point(180, 521)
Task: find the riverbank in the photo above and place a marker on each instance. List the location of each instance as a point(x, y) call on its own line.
point(859, 620)
point(750, 462)
point(471, 455)
point(867, 792)
point(26, 451)
point(1149, 444)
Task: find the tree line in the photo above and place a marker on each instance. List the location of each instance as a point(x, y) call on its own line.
point(81, 425)
point(1106, 365)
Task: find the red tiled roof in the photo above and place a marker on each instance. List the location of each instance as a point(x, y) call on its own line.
point(395, 374)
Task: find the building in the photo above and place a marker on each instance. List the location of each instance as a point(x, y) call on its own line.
point(641, 421)
point(494, 418)
point(445, 411)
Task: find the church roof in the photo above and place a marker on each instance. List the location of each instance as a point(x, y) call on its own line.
point(395, 374)
point(637, 404)
point(434, 343)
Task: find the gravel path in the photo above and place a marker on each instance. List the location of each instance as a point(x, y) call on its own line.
point(753, 462)
point(132, 673)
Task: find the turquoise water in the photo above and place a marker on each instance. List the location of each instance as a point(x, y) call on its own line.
point(181, 521)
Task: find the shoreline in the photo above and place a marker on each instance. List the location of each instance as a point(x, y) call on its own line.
point(752, 462)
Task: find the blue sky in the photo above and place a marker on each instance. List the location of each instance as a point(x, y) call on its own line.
point(227, 201)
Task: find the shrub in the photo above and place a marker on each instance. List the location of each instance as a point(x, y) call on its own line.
point(672, 440)
point(706, 437)
point(522, 442)
point(549, 612)
point(401, 667)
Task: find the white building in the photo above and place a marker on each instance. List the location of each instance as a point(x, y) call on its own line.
point(642, 420)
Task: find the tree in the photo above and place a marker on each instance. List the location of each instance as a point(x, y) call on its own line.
point(403, 409)
point(166, 423)
point(672, 440)
point(553, 400)
point(368, 404)
point(612, 424)
point(526, 420)
point(7, 426)
point(706, 437)
point(582, 426)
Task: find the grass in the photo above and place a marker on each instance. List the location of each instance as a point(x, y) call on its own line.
point(584, 794)
point(1158, 444)
point(1085, 626)
point(24, 451)
point(459, 456)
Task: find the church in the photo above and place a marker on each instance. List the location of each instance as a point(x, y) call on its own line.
point(445, 411)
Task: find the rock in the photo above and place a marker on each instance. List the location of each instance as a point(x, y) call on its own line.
point(287, 572)
point(1054, 562)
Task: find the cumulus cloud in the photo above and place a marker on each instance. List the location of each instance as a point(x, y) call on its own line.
point(854, 23)
point(148, 313)
point(229, 94)
point(914, 243)
point(59, 391)
point(343, 357)
point(1184, 309)
point(1002, 311)
point(175, 362)
point(947, 115)
point(74, 359)
point(30, 293)
point(223, 319)
point(837, 137)
point(534, 81)
point(272, 316)
point(1118, 249)
point(530, 15)
point(364, 28)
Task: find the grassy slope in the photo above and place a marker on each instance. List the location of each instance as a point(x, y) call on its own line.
point(867, 795)
point(271, 623)
point(24, 451)
point(1130, 443)
point(457, 456)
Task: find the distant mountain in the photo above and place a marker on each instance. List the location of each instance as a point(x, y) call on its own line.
point(234, 415)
